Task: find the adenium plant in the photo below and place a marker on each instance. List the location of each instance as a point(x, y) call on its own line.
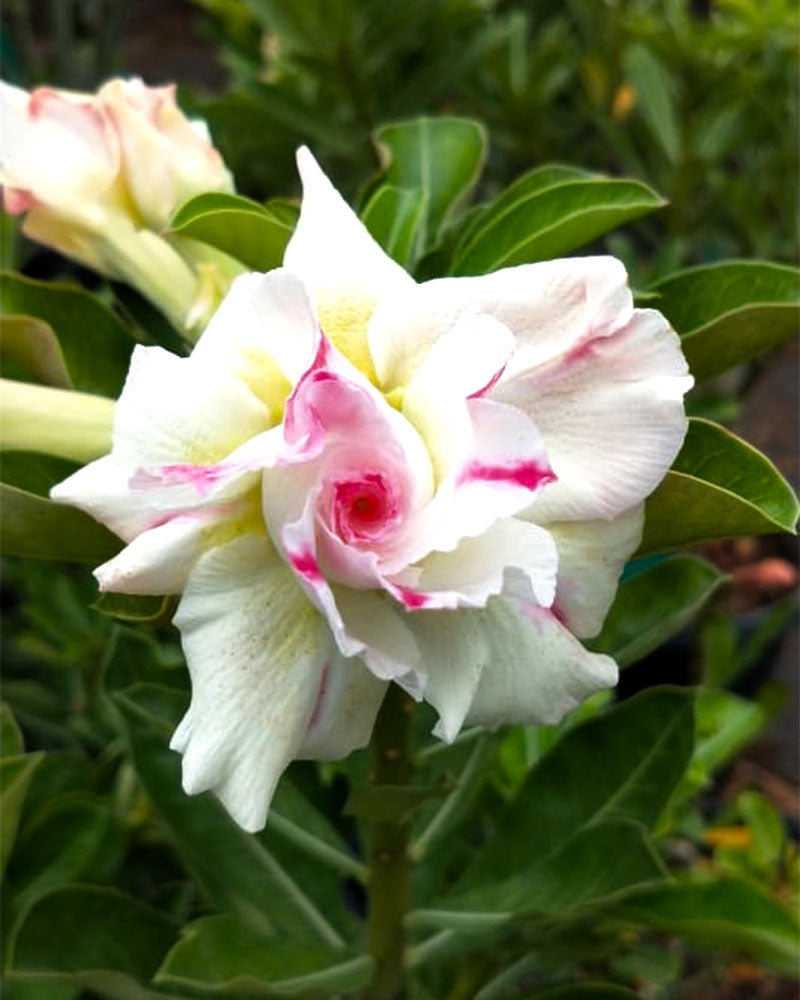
point(363, 491)
point(355, 479)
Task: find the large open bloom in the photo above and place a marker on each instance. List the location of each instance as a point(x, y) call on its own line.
point(356, 478)
point(99, 176)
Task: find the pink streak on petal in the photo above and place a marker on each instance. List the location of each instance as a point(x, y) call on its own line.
point(412, 599)
point(306, 565)
point(194, 514)
point(202, 477)
point(490, 384)
point(528, 475)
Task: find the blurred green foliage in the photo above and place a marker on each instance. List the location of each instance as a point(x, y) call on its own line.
point(698, 100)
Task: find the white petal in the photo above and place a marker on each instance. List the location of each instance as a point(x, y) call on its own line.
point(348, 700)
point(591, 556)
point(158, 561)
point(47, 128)
point(462, 363)
point(265, 332)
point(173, 414)
point(475, 570)
point(340, 263)
point(455, 651)
point(549, 307)
point(611, 415)
point(256, 650)
point(538, 672)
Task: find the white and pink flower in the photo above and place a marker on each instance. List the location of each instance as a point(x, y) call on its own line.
point(99, 176)
point(356, 478)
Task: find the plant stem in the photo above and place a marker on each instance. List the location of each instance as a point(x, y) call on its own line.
point(389, 863)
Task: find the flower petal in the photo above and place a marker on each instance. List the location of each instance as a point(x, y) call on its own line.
point(265, 332)
point(48, 124)
point(611, 414)
point(549, 307)
point(474, 571)
point(591, 557)
point(340, 263)
point(539, 670)
point(256, 650)
point(348, 699)
point(174, 416)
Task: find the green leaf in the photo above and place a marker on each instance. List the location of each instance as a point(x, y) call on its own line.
point(37, 528)
point(766, 824)
point(96, 345)
point(718, 487)
point(441, 156)
point(11, 742)
point(131, 608)
point(646, 744)
point(721, 914)
point(584, 991)
point(98, 937)
point(34, 472)
point(223, 956)
point(551, 216)
point(15, 776)
point(655, 100)
point(730, 312)
point(73, 837)
point(32, 344)
point(590, 868)
point(394, 217)
point(239, 227)
point(233, 867)
point(653, 605)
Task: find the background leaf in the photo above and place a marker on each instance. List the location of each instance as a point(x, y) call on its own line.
point(440, 156)
point(96, 344)
point(394, 217)
point(32, 345)
point(718, 487)
point(730, 312)
point(239, 227)
point(550, 216)
point(653, 605)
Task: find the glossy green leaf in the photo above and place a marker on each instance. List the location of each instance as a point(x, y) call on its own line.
point(15, 776)
point(38, 528)
point(95, 343)
point(133, 608)
point(441, 156)
point(550, 219)
point(98, 937)
point(394, 217)
point(71, 838)
point(653, 605)
point(722, 914)
point(234, 868)
point(223, 956)
point(31, 344)
point(718, 487)
point(11, 743)
point(730, 312)
point(646, 744)
point(239, 227)
point(590, 868)
point(655, 98)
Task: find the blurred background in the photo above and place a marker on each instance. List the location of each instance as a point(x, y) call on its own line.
point(696, 97)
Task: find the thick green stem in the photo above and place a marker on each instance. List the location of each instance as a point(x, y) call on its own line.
point(389, 862)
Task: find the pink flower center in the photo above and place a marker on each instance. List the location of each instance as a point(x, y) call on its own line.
point(362, 509)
